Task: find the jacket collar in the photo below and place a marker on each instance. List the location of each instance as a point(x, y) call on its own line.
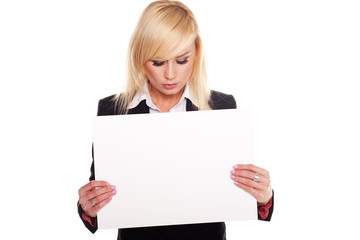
point(143, 97)
point(143, 108)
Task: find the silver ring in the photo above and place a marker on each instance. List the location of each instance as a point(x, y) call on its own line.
point(256, 177)
point(92, 202)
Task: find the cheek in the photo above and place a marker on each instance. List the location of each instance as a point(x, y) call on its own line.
point(151, 72)
point(188, 70)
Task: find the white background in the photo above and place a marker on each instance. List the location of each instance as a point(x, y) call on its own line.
point(295, 63)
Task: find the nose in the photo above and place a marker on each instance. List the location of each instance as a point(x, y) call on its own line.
point(170, 73)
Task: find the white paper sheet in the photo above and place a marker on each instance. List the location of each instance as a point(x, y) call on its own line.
point(173, 168)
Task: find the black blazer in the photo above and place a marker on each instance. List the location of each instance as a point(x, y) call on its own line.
point(203, 231)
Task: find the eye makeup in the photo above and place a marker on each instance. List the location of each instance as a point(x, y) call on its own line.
point(184, 59)
point(182, 62)
point(157, 63)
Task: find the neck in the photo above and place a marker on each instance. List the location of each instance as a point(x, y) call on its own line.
point(162, 101)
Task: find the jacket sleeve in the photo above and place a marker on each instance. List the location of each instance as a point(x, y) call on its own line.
point(89, 222)
point(265, 212)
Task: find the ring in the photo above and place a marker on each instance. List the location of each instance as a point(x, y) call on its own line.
point(92, 202)
point(256, 177)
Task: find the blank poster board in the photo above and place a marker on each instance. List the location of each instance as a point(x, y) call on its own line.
point(173, 168)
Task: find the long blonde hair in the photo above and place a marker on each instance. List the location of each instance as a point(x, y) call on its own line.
point(164, 29)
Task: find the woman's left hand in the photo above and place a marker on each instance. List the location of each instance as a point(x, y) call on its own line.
point(253, 180)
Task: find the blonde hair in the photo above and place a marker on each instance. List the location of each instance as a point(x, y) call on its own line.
point(164, 29)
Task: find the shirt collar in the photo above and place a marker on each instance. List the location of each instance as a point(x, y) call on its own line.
point(145, 95)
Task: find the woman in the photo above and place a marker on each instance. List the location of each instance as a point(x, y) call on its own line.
point(166, 73)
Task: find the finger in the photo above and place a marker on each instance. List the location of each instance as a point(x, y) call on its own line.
point(243, 173)
point(97, 200)
point(91, 202)
point(250, 175)
point(99, 206)
point(249, 182)
point(91, 185)
point(91, 210)
point(99, 191)
point(253, 168)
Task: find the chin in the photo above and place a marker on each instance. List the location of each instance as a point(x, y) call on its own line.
point(173, 91)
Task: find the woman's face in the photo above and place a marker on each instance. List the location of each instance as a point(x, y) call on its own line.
point(169, 77)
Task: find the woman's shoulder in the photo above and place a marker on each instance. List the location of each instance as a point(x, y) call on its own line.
point(219, 100)
point(107, 106)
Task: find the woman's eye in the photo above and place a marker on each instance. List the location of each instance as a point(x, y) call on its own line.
point(183, 61)
point(158, 64)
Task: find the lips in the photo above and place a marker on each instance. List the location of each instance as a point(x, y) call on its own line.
point(169, 86)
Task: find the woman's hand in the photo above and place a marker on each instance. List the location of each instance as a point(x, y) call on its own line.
point(253, 180)
point(94, 196)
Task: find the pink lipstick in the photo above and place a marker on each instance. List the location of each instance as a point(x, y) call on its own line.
point(169, 86)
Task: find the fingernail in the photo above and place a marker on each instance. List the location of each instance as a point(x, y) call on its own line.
point(114, 191)
point(113, 187)
point(235, 167)
point(107, 183)
point(232, 176)
point(110, 197)
point(236, 183)
point(232, 171)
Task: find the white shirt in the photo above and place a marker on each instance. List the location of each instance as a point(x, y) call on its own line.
point(179, 107)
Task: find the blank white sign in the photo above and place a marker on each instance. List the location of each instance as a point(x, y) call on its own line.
point(173, 168)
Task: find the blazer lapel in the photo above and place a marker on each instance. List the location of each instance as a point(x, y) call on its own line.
point(141, 108)
point(190, 106)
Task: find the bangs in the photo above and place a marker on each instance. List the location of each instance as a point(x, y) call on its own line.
point(170, 49)
point(169, 30)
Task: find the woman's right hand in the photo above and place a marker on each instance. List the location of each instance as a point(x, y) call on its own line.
point(94, 196)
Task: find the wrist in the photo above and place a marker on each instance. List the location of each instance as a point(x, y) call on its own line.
point(266, 198)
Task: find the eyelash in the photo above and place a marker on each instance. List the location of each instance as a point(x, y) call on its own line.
point(158, 64)
point(183, 61)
